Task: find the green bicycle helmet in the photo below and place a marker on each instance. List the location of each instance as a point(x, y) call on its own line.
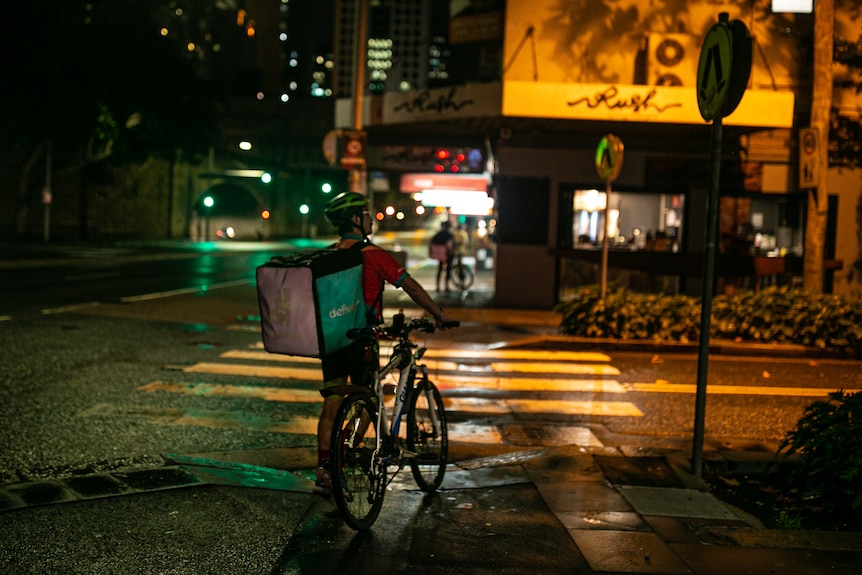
point(339, 209)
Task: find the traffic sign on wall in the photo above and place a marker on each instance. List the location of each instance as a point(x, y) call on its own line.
point(809, 157)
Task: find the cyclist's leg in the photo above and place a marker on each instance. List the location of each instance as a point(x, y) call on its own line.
point(336, 368)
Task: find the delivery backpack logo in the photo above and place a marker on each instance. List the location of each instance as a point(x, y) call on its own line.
point(344, 310)
point(309, 300)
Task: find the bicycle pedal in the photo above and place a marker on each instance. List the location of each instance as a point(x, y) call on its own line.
point(389, 389)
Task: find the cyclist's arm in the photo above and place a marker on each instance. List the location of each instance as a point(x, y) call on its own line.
point(418, 294)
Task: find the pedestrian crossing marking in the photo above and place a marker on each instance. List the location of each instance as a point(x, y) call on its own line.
point(474, 433)
point(282, 394)
point(251, 370)
point(524, 367)
point(218, 419)
point(266, 356)
point(460, 432)
point(472, 382)
point(521, 406)
point(465, 380)
point(476, 405)
point(491, 354)
point(523, 354)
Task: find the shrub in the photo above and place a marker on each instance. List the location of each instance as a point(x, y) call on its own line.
point(780, 315)
point(828, 438)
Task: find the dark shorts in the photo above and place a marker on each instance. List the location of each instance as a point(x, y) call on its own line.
point(356, 362)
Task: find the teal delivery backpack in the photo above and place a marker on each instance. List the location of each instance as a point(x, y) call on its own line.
point(310, 299)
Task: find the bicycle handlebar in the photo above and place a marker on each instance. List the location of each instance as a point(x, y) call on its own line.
point(400, 328)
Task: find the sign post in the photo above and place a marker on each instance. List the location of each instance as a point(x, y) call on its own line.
point(722, 76)
point(609, 161)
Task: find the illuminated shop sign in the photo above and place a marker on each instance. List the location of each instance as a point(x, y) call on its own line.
point(466, 101)
point(637, 103)
point(461, 194)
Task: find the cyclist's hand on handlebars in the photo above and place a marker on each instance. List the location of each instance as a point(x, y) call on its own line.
point(445, 322)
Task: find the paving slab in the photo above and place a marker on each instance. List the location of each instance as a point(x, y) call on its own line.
point(628, 552)
point(582, 497)
point(669, 502)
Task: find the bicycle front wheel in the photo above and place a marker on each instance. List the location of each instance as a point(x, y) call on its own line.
point(462, 276)
point(427, 436)
point(358, 476)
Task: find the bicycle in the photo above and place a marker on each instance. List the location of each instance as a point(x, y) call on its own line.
point(461, 274)
point(366, 440)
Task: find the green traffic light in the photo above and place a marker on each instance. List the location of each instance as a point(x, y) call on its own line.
point(326, 187)
point(209, 201)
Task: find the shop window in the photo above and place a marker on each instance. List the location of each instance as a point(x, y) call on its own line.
point(636, 221)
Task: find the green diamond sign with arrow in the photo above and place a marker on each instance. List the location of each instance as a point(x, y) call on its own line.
point(609, 157)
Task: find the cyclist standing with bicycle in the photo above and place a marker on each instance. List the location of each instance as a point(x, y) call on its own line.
point(348, 211)
point(442, 249)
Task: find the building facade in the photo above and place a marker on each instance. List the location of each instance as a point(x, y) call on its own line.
point(536, 85)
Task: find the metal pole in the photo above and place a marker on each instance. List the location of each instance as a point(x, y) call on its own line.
point(605, 240)
point(356, 178)
point(706, 300)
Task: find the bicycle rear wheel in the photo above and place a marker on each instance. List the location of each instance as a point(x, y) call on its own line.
point(462, 276)
point(358, 476)
point(427, 436)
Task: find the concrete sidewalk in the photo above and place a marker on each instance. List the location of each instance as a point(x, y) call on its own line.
point(647, 514)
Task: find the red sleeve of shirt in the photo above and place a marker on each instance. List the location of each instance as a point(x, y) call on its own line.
point(379, 266)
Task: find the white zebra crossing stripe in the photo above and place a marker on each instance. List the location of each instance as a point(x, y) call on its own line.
point(252, 370)
point(218, 419)
point(521, 406)
point(244, 391)
point(516, 354)
point(454, 404)
point(469, 382)
point(474, 433)
point(569, 368)
point(266, 356)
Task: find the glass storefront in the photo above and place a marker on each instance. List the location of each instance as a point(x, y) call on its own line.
point(636, 221)
point(652, 249)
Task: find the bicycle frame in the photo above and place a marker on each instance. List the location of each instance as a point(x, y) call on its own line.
point(404, 360)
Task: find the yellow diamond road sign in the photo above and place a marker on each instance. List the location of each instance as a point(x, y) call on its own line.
point(713, 71)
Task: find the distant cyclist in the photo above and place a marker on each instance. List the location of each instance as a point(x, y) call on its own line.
point(348, 211)
point(442, 249)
